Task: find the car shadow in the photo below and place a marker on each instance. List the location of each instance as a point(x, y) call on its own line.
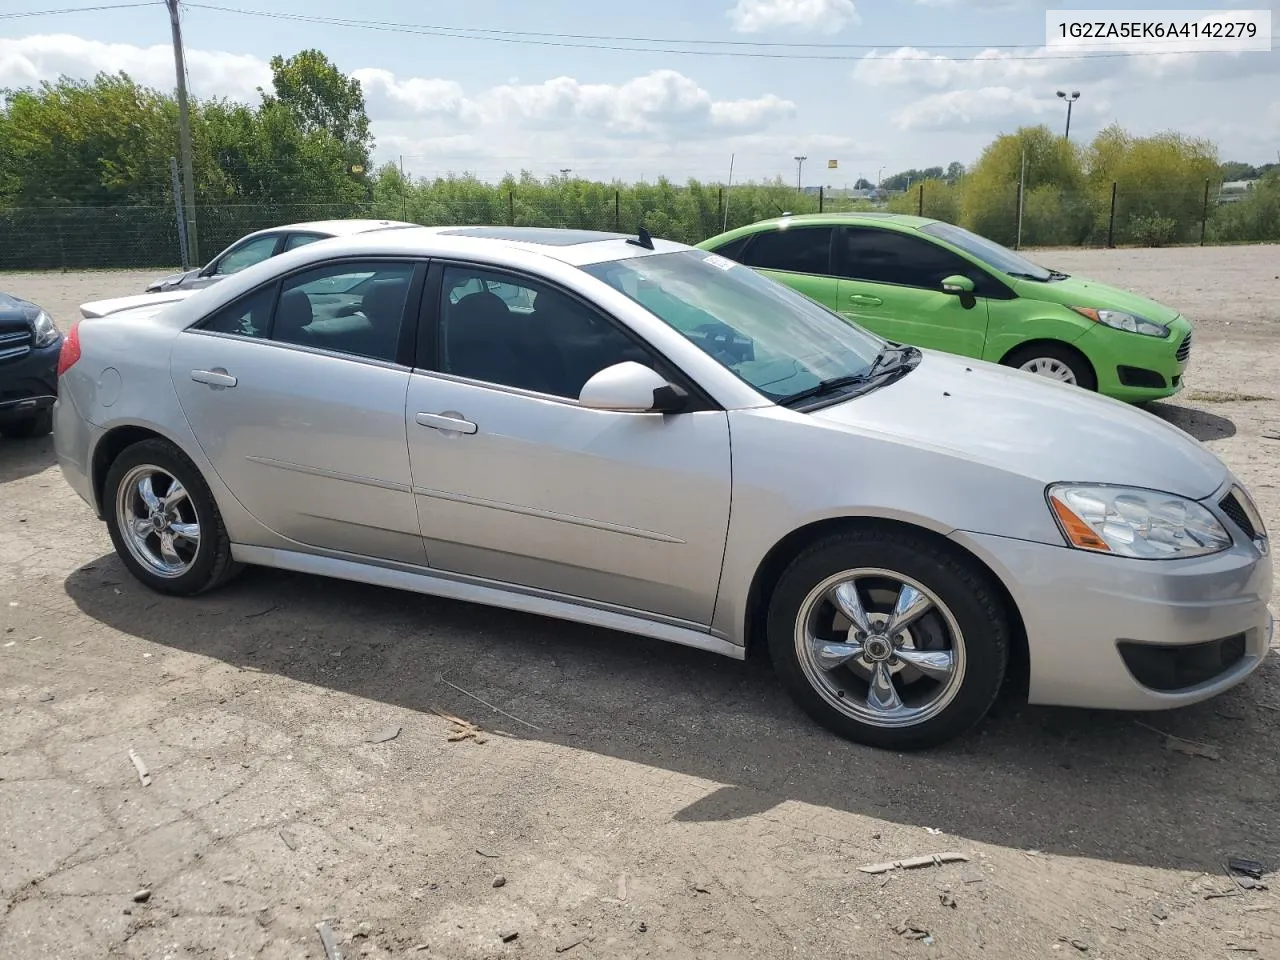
point(1201, 424)
point(25, 458)
point(1077, 783)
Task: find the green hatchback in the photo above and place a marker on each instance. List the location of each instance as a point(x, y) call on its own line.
point(935, 285)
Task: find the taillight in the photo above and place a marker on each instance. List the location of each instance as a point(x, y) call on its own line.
point(70, 351)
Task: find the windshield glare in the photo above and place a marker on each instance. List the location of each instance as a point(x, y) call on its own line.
point(988, 251)
point(776, 340)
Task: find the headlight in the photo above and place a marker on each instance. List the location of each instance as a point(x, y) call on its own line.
point(44, 329)
point(1119, 320)
point(1132, 522)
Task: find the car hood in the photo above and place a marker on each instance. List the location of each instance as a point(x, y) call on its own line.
point(173, 278)
point(1079, 292)
point(103, 308)
point(15, 308)
point(1028, 425)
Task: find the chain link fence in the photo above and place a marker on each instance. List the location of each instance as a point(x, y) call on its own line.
point(78, 237)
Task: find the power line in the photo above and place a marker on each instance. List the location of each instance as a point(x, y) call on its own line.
point(617, 44)
point(60, 10)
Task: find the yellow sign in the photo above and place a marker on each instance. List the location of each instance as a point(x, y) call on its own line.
point(357, 168)
point(833, 164)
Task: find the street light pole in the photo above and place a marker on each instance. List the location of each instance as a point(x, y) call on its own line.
point(799, 167)
point(1075, 95)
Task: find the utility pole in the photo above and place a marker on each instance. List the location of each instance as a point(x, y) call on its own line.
point(184, 131)
point(799, 167)
point(1075, 95)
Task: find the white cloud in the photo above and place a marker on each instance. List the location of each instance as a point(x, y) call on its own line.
point(757, 16)
point(987, 107)
point(29, 60)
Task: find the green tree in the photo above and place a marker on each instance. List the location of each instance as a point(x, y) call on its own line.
point(320, 97)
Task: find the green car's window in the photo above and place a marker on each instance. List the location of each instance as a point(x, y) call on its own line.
point(771, 337)
point(794, 249)
point(889, 256)
point(988, 251)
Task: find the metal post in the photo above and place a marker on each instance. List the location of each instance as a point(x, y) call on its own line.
point(404, 193)
point(920, 203)
point(1022, 179)
point(177, 209)
point(511, 207)
point(184, 130)
point(821, 197)
point(1111, 224)
point(1204, 213)
point(617, 209)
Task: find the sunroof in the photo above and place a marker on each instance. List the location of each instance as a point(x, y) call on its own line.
point(544, 235)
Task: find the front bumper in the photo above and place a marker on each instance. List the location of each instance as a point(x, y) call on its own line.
point(1135, 368)
point(1095, 625)
point(29, 383)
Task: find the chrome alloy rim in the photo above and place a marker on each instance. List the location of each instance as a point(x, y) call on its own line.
point(158, 521)
point(1051, 368)
point(880, 647)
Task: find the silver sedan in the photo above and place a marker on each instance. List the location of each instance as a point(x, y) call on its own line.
point(649, 438)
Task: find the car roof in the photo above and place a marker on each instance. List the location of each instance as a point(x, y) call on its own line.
point(837, 219)
point(574, 247)
point(337, 228)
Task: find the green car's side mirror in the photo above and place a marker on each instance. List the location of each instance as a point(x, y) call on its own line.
point(957, 284)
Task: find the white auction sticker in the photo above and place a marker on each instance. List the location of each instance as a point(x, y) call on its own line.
point(715, 260)
point(1158, 31)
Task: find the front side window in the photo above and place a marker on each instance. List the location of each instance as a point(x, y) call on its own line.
point(889, 256)
point(355, 308)
point(989, 252)
point(246, 255)
point(771, 337)
point(794, 249)
point(512, 331)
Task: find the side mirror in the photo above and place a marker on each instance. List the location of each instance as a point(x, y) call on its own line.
point(209, 269)
point(957, 284)
point(631, 387)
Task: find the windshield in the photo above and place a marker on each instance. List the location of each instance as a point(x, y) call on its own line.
point(988, 251)
point(776, 340)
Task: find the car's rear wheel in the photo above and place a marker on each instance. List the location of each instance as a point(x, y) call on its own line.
point(1055, 361)
point(164, 522)
point(887, 639)
point(28, 428)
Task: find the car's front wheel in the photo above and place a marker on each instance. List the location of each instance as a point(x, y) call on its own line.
point(888, 639)
point(1055, 361)
point(164, 522)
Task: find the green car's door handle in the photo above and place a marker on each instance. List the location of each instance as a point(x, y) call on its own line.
point(863, 298)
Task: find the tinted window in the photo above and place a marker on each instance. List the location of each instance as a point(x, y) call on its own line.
point(297, 240)
point(516, 332)
point(797, 249)
point(887, 256)
point(988, 251)
point(353, 308)
point(250, 316)
point(733, 249)
point(247, 254)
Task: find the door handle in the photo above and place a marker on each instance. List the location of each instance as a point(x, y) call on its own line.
point(214, 378)
point(863, 298)
point(446, 422)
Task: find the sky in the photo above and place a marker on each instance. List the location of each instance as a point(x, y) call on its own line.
point(496, 86)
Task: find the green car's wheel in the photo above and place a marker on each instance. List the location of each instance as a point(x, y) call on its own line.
point(1056, 361)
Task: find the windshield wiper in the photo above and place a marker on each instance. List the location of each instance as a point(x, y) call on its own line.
point(1059, 275)
point(1031, 276)
point(890, 360)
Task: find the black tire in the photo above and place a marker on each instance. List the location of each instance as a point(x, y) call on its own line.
point(211, 565)
point(963, 589)
point(29, 428)
point(1067, 355)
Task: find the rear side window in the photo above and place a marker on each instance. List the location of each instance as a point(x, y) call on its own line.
point(795, 249)
point(350, 307)
point(889, 256)
point(250, 316)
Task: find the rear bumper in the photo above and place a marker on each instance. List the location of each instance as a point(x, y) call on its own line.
point(74, 439)
point(1112, 633)
point(29, 383)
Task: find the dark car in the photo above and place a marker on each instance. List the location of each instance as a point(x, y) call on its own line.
point(29, 347)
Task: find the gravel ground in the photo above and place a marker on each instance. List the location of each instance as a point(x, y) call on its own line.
point(649, 801)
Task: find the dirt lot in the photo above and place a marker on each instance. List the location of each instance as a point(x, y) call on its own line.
point(650, 801)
